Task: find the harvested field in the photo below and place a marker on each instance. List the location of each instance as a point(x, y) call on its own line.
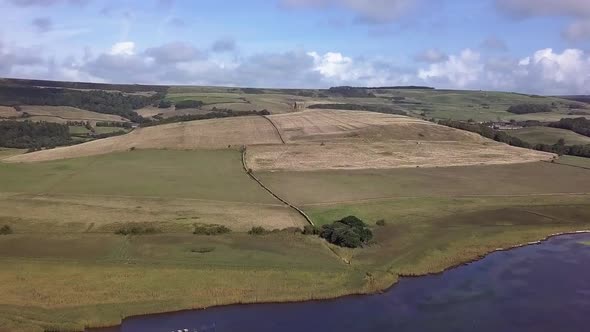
point(202, 134)
point(66, 113)
point(331, 139)
point(330, 125)
point(382, 155)
point(9, 112)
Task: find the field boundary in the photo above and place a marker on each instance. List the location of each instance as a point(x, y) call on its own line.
point(276, 128)
point(557, 162)
point(253, 177)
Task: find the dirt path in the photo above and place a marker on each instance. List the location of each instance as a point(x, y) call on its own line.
point(253, 177)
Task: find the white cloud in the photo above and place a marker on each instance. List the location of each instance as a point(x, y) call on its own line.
point(431, 56)
point(123, 48)
point(458, 71)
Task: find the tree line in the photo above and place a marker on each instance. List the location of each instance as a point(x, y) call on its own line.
point(98, 101)
point(577, 125)
point(214, 114)
point(500, 136)
point(356, 107)
point(529, 108)
point(33, 135)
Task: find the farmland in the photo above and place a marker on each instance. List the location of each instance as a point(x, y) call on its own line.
point(445, 197)
point(548, 135)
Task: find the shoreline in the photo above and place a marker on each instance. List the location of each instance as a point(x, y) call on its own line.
point(117, 327)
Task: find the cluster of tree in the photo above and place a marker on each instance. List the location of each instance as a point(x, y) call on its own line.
point(114, 124)
point(93, 100)
point(356, 107)
point(215, 113)
point(188, 104)
point(349, 91)
point(111, 134)
point(252, 90)
point(350, 232)
point(164, 103)
point(500, 136)
point(401, 87)
point(27, 134)
point(561, 149)
point(128, 88)
point(529, 108)
point(577, 125)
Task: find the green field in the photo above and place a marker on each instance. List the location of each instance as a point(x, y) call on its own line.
point(548, 135)
point(574, 161)
point(308, 188)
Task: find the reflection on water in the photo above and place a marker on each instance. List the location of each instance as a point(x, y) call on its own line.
point(542, 287)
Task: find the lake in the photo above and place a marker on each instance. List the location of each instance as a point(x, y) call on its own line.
point(544, 287)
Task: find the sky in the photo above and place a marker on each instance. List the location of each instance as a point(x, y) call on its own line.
point(529, 46)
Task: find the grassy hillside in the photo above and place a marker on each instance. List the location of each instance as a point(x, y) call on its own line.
point(548, 135)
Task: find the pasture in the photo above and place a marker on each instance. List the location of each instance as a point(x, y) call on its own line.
point(548, 135)
point(541, 178)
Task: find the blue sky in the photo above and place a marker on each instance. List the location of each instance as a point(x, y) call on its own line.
point(539, 46)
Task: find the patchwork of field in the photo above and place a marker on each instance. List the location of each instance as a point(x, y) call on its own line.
point(203, 134)
point(66, 204)
point(548, 135)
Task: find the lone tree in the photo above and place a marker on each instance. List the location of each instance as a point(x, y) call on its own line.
point(348, 232)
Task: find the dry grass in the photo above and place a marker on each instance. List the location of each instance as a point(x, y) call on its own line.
point(360, 126)
point(383, 155)
point(203, 134)
point(9, 112)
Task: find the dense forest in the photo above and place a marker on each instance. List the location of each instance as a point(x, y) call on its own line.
point(33, 135)
point(115, 103)
point(183, 104)
point(529, 108)
point(355, 107)
point(214, 114)
point(500, 136)
point(577, 125)
point(351, 92)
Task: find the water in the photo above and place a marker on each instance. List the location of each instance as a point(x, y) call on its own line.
point(542, 287)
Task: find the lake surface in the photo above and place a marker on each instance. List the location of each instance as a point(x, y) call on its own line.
point(543, 287)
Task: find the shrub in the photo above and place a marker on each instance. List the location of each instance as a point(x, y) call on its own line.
point(203, 250)
point(348, 232)
point(380, 222)
point(137, 230)
point(211, 230)
point(258, 230)
point(311, 230)
point(164, 104)
point(529, 108)
point(5, 230)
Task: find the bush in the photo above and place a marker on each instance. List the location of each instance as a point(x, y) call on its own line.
point(137, 230)
point(311, 230)
point(348, 232)
point(380, 222)
point(5, 230)
point(189, 104)
point(203, 250)
point(529, 108)
point(258, 230)
point(211, 230)
point(165, 104)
